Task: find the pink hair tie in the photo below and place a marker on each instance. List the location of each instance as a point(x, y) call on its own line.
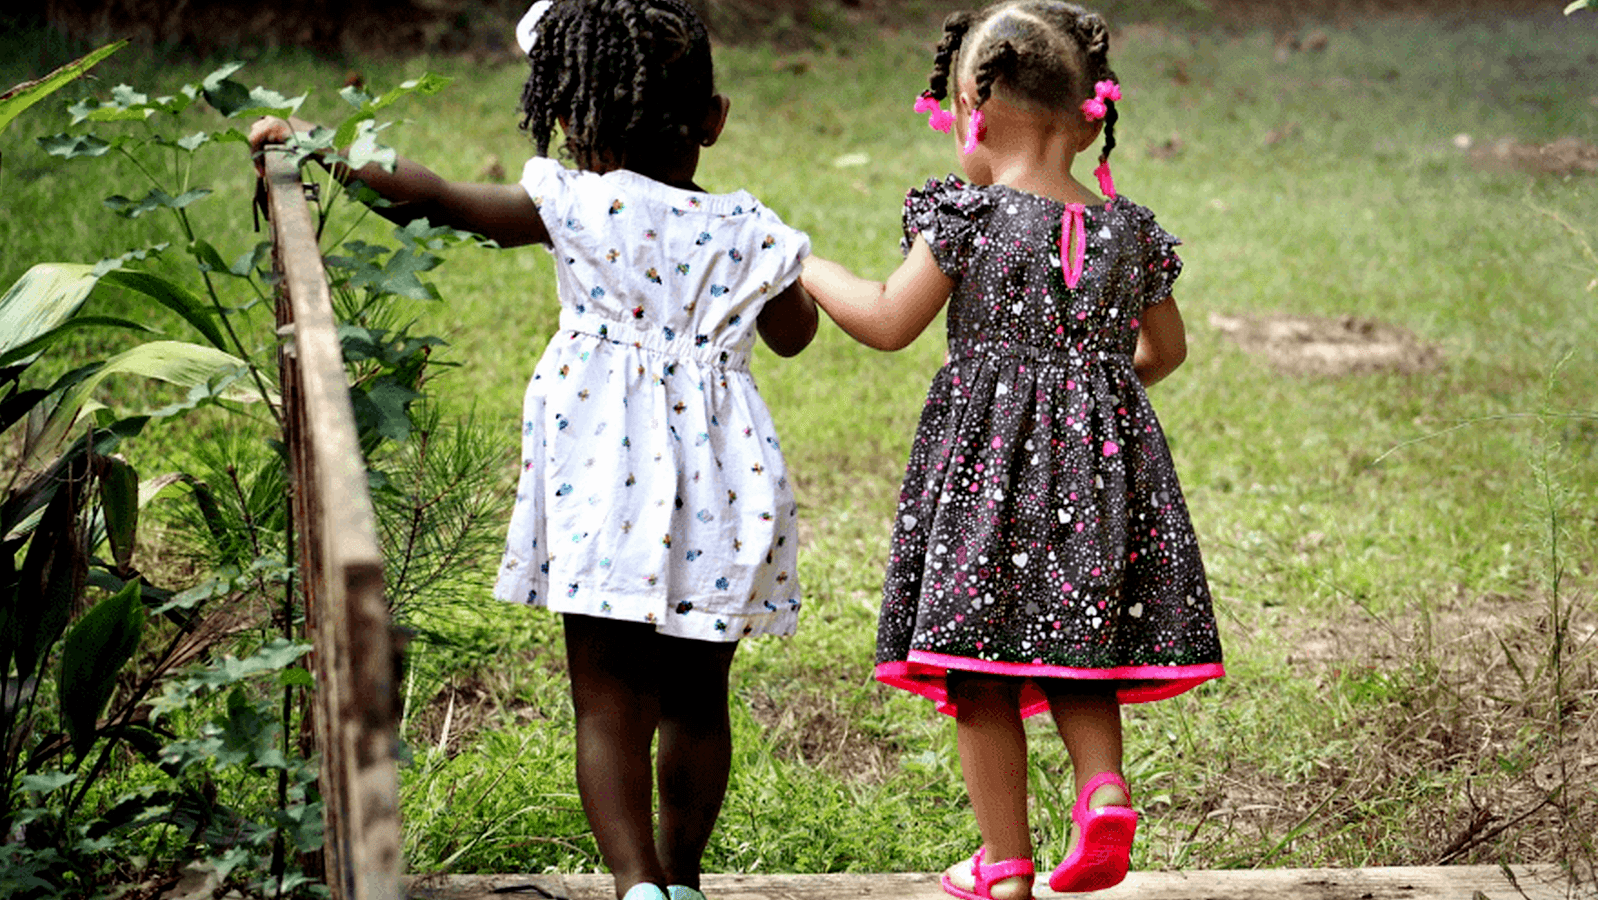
point(974, 132)
point(941, 119)
point(1106, 184)
point(1094, 108)
point(1073, 221)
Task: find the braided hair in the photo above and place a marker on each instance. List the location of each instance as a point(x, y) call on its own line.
point(624, 79)
point(1040, 52)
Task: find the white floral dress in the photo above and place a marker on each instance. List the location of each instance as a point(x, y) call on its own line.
point(653, 488)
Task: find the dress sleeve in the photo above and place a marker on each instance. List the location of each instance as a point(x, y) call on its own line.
point(949, 215)
point(787, 244)
point(546, 183)
point(1156, 255)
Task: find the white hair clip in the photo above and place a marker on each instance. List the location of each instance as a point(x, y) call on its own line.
point(527, 28)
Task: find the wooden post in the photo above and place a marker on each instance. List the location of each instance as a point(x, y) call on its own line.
point(340, 565)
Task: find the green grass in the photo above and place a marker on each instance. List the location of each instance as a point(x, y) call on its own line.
point(1380, 572)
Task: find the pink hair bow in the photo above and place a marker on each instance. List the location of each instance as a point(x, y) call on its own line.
point(941, 119)
point(1094, 108)
point(1073, 222)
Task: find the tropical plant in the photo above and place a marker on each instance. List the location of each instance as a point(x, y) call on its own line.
point(142, 726)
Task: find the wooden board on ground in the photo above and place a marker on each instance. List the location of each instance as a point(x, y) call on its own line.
point(1391, 883)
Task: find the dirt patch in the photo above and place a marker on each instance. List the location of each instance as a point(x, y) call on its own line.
point(1493, 695)
point(1311, 345)
point(1563, 157)
point(810, 727)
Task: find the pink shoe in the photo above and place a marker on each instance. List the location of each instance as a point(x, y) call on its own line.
point(1103, 850)
point(986, 876)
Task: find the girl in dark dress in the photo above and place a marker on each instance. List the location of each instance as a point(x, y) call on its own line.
point(1042, 555)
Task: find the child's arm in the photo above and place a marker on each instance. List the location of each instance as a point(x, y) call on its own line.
point(500, 212)
point(1161, 342)
point(887, 316)
point(788, 323)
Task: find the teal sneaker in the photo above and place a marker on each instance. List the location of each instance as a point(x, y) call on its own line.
point(643, 890)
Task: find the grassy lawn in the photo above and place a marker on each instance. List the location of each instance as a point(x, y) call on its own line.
point(1402, 560)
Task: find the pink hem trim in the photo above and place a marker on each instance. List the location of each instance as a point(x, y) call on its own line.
point(925, 673)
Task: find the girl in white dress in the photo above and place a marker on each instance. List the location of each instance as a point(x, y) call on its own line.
point(653, 510)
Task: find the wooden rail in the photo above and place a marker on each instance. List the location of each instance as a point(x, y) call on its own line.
point(341, 567)
point(1390, 883)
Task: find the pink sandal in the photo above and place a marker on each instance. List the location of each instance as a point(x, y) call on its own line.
point(986, 876)
point(1103, 850)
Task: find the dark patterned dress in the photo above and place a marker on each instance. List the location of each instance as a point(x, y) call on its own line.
point(1041, 531)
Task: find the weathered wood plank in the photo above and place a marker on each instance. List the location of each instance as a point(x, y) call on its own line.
point(1388, 883)
point(341, 565)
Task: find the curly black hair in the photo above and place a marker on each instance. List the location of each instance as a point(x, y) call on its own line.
point(1041, 52)
point(624, 79)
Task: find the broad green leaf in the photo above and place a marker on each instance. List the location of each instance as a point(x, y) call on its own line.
point(113, 263)
point(250, 734)
point(47, 782)
point(225, 95)
point(418, 234)
point(278, 654)
point(52, 571)
point(14, 406)
point(77, 146)
point(119, 501)
point(25, 354)
point(265, 102)
point(44, 297)
point(355, 96)
point(19, 98)
point(93, 652)
point(399, 275)
point(126, 105)
point(231, 98)
point(221, 73)
point(295, 676)
point(155, 199)
point(219, 584)
point(194, 309)
point(365, 149)
point(209, 259)
point(425, 86)
point(175, 362)
point(252, 260)
point(346, 133)
point(230, 386)
point(382, 409)
point(8, 603)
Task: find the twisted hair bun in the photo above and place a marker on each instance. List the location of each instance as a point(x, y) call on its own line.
point(625, 79)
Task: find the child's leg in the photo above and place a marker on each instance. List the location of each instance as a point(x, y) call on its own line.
point(615, 686)
point(695, 753)
point(993, 759)
point(1088, 717)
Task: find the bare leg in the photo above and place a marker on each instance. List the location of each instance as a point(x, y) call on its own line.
point(615, 694)
point(695, 753)
point(1088, 717)
point(993, 759)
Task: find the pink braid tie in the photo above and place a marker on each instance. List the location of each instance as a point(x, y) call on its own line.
point(1073, 220)
point(1106, 183)
point(941, 119)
